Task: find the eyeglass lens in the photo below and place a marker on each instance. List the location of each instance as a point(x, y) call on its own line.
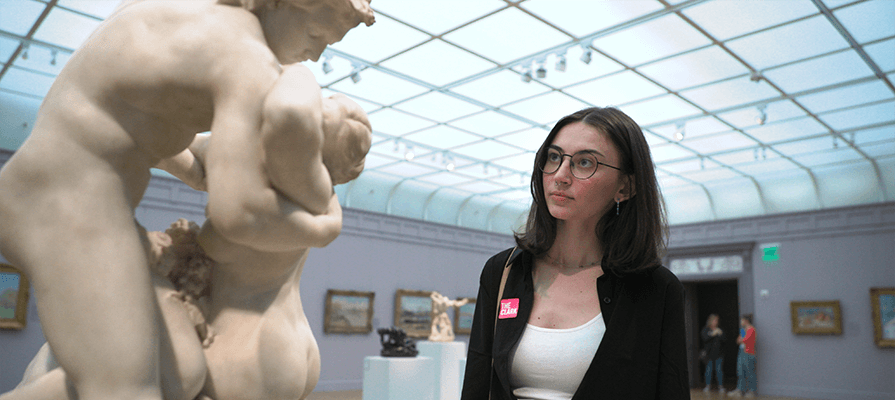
point(584, 164)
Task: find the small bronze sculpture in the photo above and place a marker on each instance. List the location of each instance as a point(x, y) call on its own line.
point(395, 343)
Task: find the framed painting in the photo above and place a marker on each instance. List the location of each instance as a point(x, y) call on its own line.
point(348, 311)
point(13, 298)
point(413, 312)
point(463, 317)
point(816, 317)
point(882, 305)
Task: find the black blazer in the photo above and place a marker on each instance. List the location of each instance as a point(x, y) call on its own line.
point(643, 352)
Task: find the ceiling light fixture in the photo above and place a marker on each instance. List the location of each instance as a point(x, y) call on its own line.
point(53, 59)
point(526, 74)
point(25, 50)
point(355, 73)
point(327, 67)
point(679, 131)
point(561, 63)
point(541, 72)
point(835, 143)
point(762, 115)
point(408, 154)
point(587, 55)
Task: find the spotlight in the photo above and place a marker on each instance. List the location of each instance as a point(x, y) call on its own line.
point(25, 51)
point(541, 72)
point(679, 132)
point(53, 60)
point(408, 155)
point(561, 63)
point(355, 74)
point(587, 55)
point(762, 116)
point(327, 67)
point(526, 75)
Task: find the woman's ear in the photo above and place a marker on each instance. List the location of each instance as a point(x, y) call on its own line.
point(628, 189)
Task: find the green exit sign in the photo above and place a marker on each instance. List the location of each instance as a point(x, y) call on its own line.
point(770, 252)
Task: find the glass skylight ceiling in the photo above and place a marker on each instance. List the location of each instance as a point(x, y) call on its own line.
point(751, 107)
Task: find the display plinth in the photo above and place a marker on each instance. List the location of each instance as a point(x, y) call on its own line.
point(446, 356)
point(462, 372)
point(399, 378)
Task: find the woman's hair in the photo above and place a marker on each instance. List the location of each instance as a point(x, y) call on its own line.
point(633, 240)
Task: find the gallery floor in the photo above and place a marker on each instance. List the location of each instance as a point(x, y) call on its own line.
point(696, 394)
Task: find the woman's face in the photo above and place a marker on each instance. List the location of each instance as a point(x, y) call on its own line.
point(584, 200)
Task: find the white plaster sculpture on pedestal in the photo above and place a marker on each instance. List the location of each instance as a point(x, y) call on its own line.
point(132, 97)
point(442, 329)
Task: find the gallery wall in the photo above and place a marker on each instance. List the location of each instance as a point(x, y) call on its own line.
point(834, 254)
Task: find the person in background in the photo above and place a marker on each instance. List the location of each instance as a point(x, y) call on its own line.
point(747, 383)
point(712, 340)
point(587, 311)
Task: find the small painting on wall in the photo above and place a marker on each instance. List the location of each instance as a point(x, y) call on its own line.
point(348, 311)
point(882, 304)
point(13, 298)
point(413, 312)
point(463, 317)
point(816, 317)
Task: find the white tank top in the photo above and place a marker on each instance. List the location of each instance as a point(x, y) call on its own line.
point(548, 364)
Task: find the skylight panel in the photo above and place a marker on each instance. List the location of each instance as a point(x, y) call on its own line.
point(766, 166)
point(436, 17)
point(438, 63)
point(445, 178)
point(651, 40)
point(696, 164)
point(833, 156)
point(22, 81)
point(406, 169)
point(514, 181)
point(718, 142)
point(373, 161)
point(729, 19)
point(583, 17)
point(529, 139)
point(490, 124)
point(396, 123)
point(774, 112)
point(662, 109)
point(846, 97)
point(788, 43)
point(694, 128)
point(616, 89)
point(875, 135)
point(883, 54)
point(701, 66)
point(65, 28)
point(787, 130)
point(438, 107)
point(880, 149)
point(523, 162)
point(670, 151)
point(738, 157)
point(379, 41)
point(98, 8)
point(668, 182)
point(806, 146)
point(860, 117)
point(820, 72)
point(712, 175)
point(730, 93)
point(442, 137)
point(546, 109)
point(498, 36)
point(379, 87)
point(499, 88)
point(516, 195)
point(869, 20)
point(18, 17)
point(7, 47)
point(481, 187)
point(486, 150)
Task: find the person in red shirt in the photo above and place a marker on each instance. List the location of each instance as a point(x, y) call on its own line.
point(747, 382)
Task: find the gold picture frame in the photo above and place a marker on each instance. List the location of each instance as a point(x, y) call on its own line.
point(463, 317)
point(348, 311)
point(882, 307)
point(413, 312)
point(13, 298)
point(816, 317)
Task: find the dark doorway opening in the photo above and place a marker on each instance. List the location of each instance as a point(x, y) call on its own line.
point(722, 298)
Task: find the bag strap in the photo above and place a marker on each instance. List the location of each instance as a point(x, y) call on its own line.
point(503, 282)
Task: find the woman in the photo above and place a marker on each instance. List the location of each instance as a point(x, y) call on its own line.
point(712, 339)
point(587, 311)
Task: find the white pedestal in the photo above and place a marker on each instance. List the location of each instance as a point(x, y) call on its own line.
point(399, 378)
point(462, 372)
point(447, 357)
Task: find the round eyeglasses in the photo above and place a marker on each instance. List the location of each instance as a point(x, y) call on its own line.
point(584, 163)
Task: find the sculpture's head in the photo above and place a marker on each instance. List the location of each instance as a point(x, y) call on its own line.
point(347, 136)
point(299, 30)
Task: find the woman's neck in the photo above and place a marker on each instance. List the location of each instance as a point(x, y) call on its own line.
point(575, 244)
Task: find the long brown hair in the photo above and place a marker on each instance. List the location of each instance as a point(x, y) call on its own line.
point(633, 240)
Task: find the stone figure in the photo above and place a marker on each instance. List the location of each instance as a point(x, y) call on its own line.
point(395, 343)
point(134, 96)
point(442, 329)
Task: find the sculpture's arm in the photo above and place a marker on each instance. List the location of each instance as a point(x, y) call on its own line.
point(188, 165)
point(243, 205)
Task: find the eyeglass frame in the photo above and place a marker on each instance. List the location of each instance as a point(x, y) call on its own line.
point(571, 156)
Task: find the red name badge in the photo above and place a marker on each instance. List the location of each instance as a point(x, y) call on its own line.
point(509, 308)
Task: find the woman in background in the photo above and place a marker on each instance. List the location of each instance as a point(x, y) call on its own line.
point(587, 310)
point(712, 339)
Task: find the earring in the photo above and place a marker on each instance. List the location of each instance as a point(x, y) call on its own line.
point(616, 206)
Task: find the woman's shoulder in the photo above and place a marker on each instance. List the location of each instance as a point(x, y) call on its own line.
point(494, 266)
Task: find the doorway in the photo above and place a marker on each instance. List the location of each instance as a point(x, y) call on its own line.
point(713, 297)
